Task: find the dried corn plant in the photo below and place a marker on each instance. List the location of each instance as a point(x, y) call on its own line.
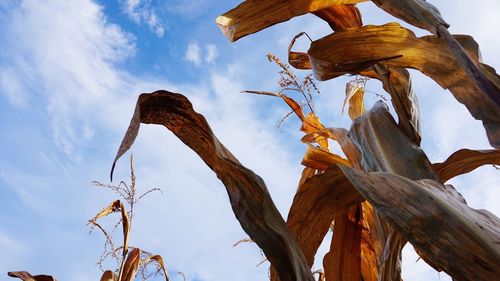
point(130, 261)
point(383, 192)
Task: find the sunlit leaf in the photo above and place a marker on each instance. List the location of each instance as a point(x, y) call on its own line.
point(355, 97)
point(464, 161)
point(312, 125)
point(247, 192)
point(447, 234)
point(321, 159)
point(341, 17)
point(254, 15)
point(355, 50)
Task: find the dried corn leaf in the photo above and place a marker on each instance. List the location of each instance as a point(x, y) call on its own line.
point(341, 17)
point(159, 260)
point(419, 13)
point(113, 207)
point(131, 265)
point(109, 275)
point(249, 197)
point(396, 81)
point(312, 125)
point(297, 109)
point(447, 234)
point(424, 15)
point(464, 161)
point(354, 50)
point(25, 276)
point(343, 262)
point(385, 147)
point(321, 159)
point(319, 200)
point(254, 15)
point(369, 267)
point(298, 60)
point(355, 97)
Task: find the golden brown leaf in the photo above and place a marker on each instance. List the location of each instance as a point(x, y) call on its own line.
point(319, 200)
point(447, 234)
point(312, 125)
point(254, 15)
point(343, 262)
point(249, 197)
point(424, 15)
point(354, 50)
point(355, 97)
point(464, 161)
point(341, 17)
point(321, 159)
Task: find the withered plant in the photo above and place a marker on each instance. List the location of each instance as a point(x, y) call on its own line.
point(383, 192)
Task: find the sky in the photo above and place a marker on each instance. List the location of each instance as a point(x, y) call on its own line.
point(70, 73)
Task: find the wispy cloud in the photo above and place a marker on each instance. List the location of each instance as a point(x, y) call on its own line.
point(141, 11)
point(193, 53)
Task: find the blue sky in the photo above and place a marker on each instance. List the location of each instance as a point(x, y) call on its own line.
point(70, 72)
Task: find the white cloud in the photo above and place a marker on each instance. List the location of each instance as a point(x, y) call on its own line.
point(211, 53)
point(141, 11)
point(193, 53)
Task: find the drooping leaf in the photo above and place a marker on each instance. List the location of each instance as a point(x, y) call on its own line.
point(447, 234)
point(113, 207)
point(355, 97)
point(343, 261)
point(341, 17)
point(319, 200)
point(131, 265)
point(396, 81)
point(109, 275)
point(464, 161)
point(422, 14)
point(249, 197)
point(254, 15)
point(419, 13)
point(355, 50)
point(26, 276)
point(158, 259)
